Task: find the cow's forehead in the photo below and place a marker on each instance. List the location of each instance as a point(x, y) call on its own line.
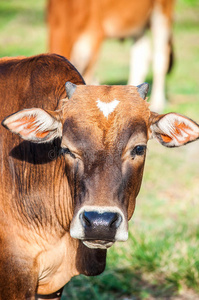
point(103, 104)
point(105, 111)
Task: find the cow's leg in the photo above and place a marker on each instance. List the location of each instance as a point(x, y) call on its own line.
point(161, 34)
point(54, 296)
point(139, 60)
point(85, 52)
point(60, 27)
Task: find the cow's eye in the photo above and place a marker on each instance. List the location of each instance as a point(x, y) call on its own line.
point(67, 151)
point(138, 150)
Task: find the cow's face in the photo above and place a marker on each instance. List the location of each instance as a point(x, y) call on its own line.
point(104, 132)
point(104, 138)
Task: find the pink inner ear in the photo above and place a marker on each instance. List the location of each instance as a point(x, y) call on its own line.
point(177, 132)
point(29, 126)
point(26, 122)
point(166, 138)
point(181, 126)
point(179, 129)
point(42, 134)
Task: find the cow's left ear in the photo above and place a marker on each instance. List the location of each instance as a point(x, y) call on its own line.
point(173, 130)
point(35, 124)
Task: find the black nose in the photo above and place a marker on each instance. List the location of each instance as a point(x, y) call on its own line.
point(100, 226)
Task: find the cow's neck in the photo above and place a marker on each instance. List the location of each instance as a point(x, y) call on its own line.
point(59, 262)
point(37, 187)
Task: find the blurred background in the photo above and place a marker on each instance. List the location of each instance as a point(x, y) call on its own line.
point(160, 260)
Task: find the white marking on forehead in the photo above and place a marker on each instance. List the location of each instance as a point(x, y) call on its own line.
point(107, 108)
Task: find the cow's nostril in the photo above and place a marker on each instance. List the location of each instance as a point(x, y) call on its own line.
point(85, 219)
point(116, 221)
point(99, 225)
point(93, 219)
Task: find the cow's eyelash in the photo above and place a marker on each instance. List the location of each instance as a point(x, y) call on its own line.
point(67, 151)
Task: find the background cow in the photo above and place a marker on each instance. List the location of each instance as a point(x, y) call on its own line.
point(68, 189)
point(78, 28)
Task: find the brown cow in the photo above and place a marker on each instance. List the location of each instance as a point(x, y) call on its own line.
point(69, 189)
point(77, 29)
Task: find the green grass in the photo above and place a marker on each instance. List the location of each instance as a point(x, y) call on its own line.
point(160, 260)
point(22, 27)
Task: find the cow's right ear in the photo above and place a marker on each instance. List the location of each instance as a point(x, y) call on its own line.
point(35, 124)
point(173, 130)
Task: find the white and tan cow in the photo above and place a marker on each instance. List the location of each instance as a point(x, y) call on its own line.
point(77, 29)
point(71, 168)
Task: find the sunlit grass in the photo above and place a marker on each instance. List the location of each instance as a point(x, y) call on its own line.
point(22, 27)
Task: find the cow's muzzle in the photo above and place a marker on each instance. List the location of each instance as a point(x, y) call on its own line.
point(103, 226)
point(99, 227)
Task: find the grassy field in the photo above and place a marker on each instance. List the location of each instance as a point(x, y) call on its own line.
point(161, 258)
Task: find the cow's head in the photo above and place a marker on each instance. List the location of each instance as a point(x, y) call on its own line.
point(104, 132)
